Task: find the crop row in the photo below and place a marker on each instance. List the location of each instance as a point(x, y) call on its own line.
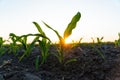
point(44, 43)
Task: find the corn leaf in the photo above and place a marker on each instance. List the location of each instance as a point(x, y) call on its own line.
point(72, 25)
point(70, 60)
point(37, 62)
point(39, 28)
point(60, 38)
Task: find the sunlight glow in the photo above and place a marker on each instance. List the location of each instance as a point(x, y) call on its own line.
point(68, 40)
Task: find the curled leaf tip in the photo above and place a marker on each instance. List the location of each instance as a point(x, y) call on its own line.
point(72, 25)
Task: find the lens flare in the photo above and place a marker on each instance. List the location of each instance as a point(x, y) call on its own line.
point(68, 40)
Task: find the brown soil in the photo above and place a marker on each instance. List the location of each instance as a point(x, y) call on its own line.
point(89, 65)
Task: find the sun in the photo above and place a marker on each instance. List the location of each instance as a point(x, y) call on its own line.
point(67, 41)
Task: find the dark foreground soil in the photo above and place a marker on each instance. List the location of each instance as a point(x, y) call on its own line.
point(89, 65)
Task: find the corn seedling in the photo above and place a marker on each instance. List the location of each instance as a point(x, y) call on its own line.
point(1, 42)
point(13, 45)
point(44, 44)
point(67, 33)
point(28, 48)
point(74, 44)
point(117, 42)
point(2, 48)
point(99, 41)
point(80, 40)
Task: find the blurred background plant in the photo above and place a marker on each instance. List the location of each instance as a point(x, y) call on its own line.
point(14, 48)
point(2, 48)
point(97, 46)
point(117, 42)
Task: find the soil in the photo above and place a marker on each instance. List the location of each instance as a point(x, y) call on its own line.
point(89, 65)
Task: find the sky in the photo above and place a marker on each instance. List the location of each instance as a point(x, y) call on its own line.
point(99, 18)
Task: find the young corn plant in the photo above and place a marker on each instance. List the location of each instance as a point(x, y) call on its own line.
point(99, 42)
point(117, 42)
point(28, 47)
point(44, 45)
point(13, 44)
point(2, 48)
point(67, 33)
point(1, 42)
point(74, 44)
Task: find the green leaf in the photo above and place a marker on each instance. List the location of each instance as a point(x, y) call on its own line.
point(1, 41)
point(37, 62)
point(53, 30)
point(60, 38)
point(12, 34)
point(39, 28)
point(70, 60)
point(31, 45)
point(72, 25)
